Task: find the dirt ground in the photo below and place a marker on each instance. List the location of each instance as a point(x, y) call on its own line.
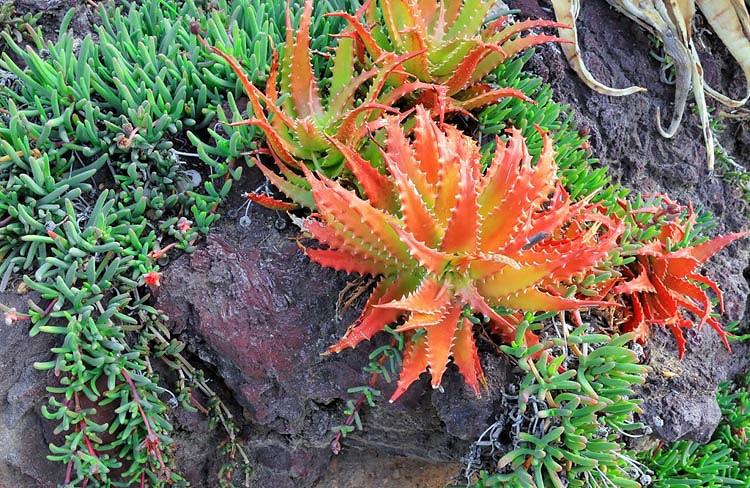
point(348, 471)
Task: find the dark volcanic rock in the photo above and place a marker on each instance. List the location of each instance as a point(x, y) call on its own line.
point(680, 396)
point(52, 13)
point(253, 306)
point(23, 440)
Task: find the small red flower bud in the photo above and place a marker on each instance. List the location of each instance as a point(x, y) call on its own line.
point(152, 278)
point(184, 225)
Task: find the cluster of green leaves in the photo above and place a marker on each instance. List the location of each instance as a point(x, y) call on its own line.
point(667, 70)
point(581, 173)
point(733, 172)
point(724, 461)
point(574, 402)
point(384, 362)
point(730, 169)
point(99, 181)
point(13, 23)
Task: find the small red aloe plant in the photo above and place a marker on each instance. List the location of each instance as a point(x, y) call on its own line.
point(450, 240)
point(663, 283)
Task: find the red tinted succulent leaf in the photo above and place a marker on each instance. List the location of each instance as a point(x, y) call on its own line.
point(363, 34)
point(490, 97)
point(271, 202)
point(430, 298)
point(375, 319)
point(378, 189)
point(371, 225)
point(637, 285)
point(462, 232)
point(426, 145)
point(297, 194)
point(440, 338)
point(466, 357)
point(421, 321)
point(703, 252)
point(414, 364)
point(343, 261)
point(304, 88)
point(418, 219)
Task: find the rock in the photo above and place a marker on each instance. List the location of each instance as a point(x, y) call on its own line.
point(53, 12)
point(465, 416)
point(680, 396)
point(250, 304)
point(23, 430)
point(358, 469)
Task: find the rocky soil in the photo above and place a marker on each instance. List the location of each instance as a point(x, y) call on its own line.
point(257, 315)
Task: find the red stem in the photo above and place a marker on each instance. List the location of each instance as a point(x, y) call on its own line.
point(137, 399)
point(158, 254)
point(198, 404)
point(49, 308)
point(79, 428)
point(68, 472)
point(89, 446)
point(151, 435)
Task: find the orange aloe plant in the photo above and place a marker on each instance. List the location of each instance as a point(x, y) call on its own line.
point(451, 43)
point(449, 240)
point(299, 123)
point(662, 283)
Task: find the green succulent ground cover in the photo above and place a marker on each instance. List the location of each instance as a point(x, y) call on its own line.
point(567, 427)
point(99, 180)
point(112, 153)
